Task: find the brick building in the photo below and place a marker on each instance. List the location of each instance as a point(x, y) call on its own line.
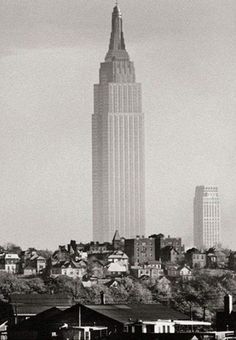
point(140, 250)
point(161, 242)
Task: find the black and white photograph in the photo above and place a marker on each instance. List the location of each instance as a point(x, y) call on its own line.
point(117, 169)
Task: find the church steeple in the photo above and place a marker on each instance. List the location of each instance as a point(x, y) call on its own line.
point(117, 49)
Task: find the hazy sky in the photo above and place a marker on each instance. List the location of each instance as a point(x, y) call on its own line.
point(185, 57)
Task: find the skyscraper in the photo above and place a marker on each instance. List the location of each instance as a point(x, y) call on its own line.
point(117, 144)
point(206, 217)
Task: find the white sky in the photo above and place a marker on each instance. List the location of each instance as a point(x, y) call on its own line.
point(185, 57)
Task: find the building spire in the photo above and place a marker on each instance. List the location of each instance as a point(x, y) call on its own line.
point(117, 42)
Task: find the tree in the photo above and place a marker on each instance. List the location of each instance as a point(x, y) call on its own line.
point(94, 294)
point(44, 253)
point(68, 286)
point(119, 294)
point(162, 290)
point(11, 284)
point(139, 294)
point(36, 285)
point(13, 248)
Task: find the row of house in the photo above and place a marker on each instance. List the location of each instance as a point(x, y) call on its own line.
point(117, 265)
point(24, 264)
point(211, 258)
point(154, 256)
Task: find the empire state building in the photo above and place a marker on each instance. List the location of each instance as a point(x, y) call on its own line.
point(117, 144)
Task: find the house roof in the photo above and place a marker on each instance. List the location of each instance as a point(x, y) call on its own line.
point(118, 254)
point(36, 321)
point(220, 253)
point(154, 261)
point(28, 304)
point(95, 261)
point(74, 264)
point(34, 256)
point(198, 252)
point(41, 258)
point(171, 266)
point(122, 314)
point(186, 267)
point(145, 312)
point(144, 277)
point(116, 267)
point(11, 257)
point(58, 264)
point(164, 279)
point(211, 255)
point(112, 282)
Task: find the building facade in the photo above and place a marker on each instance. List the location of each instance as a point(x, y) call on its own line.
point(140, 250)
point(206, 217)
point(161, 242)
point(12, 263)
point(198, 259)
point(175, 242)
point(117, 144)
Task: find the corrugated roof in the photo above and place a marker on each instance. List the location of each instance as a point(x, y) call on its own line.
point(36, 321)
point(31, 304)
point(144, 312)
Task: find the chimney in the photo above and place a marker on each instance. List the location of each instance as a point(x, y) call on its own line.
point(228, 304)
point(102, 295)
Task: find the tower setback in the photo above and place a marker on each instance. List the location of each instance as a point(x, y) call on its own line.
point(117, 144)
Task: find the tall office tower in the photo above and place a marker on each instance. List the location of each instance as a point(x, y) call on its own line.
point(118, 144)
point(206, 217)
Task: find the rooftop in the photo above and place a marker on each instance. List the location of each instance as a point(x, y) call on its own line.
point(12, 256)
point(146, 312)
point(31, 304)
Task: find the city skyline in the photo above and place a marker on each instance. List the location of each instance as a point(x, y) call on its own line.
point(184, 55)
point(118, 144)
